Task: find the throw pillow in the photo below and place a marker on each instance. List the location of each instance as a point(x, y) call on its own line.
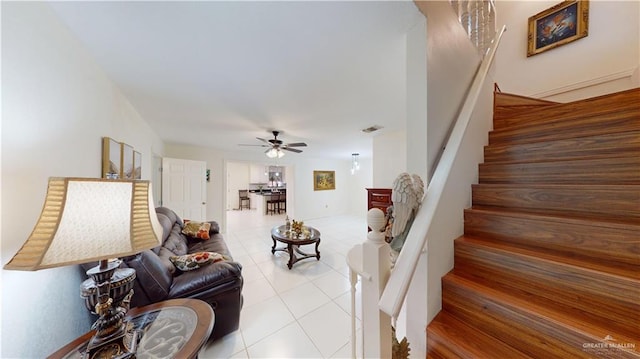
point(193, 261)
point(196, 229)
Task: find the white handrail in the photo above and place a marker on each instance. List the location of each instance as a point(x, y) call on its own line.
point(396, 289)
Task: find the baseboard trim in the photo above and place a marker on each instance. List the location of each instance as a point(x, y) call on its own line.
point(588, 83)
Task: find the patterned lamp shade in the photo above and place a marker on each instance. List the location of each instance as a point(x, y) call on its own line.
point(90, 219)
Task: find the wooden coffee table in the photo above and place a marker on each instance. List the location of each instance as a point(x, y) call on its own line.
point(280, 234)
point(176, 328)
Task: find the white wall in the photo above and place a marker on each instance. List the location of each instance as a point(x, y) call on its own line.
point(57, 104)
point(389, 157)
point(451, 63)
point(605, 61)
point(417, 136)
point(358, 183)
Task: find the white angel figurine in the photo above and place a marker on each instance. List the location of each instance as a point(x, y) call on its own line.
point(406, 195)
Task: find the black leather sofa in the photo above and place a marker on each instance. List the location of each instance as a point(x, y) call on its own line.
point(219, 284)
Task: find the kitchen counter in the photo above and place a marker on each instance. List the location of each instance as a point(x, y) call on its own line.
point(259, 199)
point(264, 192)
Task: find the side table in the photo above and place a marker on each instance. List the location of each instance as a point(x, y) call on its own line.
point(176, 328)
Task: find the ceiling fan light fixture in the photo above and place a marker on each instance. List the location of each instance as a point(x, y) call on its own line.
point(274, 153)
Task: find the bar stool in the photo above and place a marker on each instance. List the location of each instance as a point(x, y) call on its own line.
point(282, 202)
point(272, 203)
point(243, 195)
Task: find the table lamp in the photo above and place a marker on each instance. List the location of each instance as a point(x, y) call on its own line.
point(91, 219)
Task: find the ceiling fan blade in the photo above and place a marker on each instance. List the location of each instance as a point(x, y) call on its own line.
point(243, 144)
point(291, 149)
point(296, 144)
point(262, 139)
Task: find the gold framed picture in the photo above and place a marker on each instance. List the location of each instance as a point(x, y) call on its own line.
point(324, 180)
point(111, 157)
point(127, 162)
point(560, 24)
point(137, 165)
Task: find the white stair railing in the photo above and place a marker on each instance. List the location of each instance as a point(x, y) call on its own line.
point(369, 261)
point(478, 18)
point(398, 284)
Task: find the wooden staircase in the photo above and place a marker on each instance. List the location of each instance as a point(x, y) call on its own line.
point(549, 265)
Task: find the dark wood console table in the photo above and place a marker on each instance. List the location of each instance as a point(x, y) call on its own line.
point(379, 198)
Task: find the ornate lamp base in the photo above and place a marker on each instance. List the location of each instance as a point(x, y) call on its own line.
point(114, 338)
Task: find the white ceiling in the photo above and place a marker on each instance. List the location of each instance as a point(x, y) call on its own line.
point(220, 74)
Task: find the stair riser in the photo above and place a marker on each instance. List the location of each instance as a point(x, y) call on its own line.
point(574, 239)
point(606, 201)
point(560, 129)
point(503, 115)
point(603, 171)
point(608, 114)
point(614, 299)
point(594, 147)
point(534, 335)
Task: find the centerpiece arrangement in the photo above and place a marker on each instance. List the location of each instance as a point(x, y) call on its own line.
point(298, 230)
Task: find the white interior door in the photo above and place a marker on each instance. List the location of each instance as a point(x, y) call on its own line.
point(184, 188)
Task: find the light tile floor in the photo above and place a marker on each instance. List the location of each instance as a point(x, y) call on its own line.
point(304, 312)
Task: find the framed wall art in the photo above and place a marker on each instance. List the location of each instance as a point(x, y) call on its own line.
point(127, 162)
point(111, 157)
point(560, 24)
point(137, 165)
point(324, 180)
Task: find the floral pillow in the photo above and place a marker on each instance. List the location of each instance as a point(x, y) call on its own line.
point(193, 261)
point(196, 229)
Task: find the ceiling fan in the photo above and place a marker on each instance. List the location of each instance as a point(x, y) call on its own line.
point(276, 146)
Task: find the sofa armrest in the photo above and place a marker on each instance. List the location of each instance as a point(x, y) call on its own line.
point(151, 273)
point(209, 279)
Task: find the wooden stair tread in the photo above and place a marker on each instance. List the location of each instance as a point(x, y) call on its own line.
point(560, 215)
point(550, 256)
point(611, 299)
point(579, 125)
point(619, 171)
point(507, 105)
point(572, 237)
point(623, 200)
point(577, 220)
point(509, 99)
point(624, 104)
point(616, 203)
point(464, 342)
point(625, 144)
point(528, 315)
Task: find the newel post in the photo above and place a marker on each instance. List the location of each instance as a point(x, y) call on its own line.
point(376, 325)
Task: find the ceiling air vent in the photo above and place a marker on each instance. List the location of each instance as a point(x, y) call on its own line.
point(371, 129)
